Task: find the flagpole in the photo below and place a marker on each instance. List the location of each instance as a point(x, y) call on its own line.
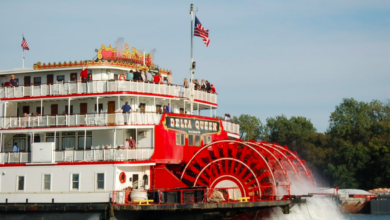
point(192, 60)
point(23, 59)
point(23, 53)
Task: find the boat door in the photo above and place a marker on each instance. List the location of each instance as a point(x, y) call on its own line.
point(50, 79)
point(27, 80)
point(54, 109)
point(26, 109)
point(111, 113)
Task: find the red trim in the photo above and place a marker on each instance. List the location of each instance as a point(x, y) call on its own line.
point(233, 133)
point(204, 102)
point(96, 94)
point(86, 126)
point(77, 163)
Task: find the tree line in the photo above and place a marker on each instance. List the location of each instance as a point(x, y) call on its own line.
point(354, 152)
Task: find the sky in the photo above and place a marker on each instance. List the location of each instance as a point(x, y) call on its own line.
point(266, 57)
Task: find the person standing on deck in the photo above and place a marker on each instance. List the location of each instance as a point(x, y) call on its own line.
point(15, 149)
point(132, 143)
point(149, 77)
point(168, 109)
point(126, 109)
point(126, 144)
point(169, 78)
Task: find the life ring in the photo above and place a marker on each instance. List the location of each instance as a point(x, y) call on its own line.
point(122, 177)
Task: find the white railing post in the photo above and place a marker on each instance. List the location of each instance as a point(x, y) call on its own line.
point(56, 120)
point(104, 155)
point(9, 157)
point(47, 121)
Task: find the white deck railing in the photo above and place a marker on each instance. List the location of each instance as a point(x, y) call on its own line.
point(82, 155)
point(135, 118)
point(231, 127)
point(69, 88)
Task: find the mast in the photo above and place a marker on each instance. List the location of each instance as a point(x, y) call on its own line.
point(192, 60)
point(23, 54)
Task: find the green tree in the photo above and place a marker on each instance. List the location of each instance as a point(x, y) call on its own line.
point(250, 127)
point(360, 142)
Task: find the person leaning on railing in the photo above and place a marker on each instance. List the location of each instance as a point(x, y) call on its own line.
point(126, 109)
point(13, 82)
point(185, 84)
point(157, 78)
point(169, 78)
point(149, 77)
point(130, 75)
point(137, 76)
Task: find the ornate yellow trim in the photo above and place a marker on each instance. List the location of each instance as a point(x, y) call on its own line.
point(133, 54)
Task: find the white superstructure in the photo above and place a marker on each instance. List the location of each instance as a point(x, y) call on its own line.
point(70, 134)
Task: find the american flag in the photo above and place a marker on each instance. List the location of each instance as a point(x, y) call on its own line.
point(24, 44)
point(199, 31)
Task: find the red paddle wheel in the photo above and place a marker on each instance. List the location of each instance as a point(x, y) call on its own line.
point(299, 164)
point(235, 164)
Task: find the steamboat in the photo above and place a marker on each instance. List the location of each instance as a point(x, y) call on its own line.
point(103, 146)
point(71, 141)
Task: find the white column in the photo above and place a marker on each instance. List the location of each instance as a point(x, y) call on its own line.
point(4, 113)
point(211, 111)
point(97, 104)
point(55, 141)
point(32, 141)
point(1, 142)
point(154, 103)
point(68, 106)
point(41, 107)
point(138, 103)
point(198, 109)
point(118, 104)
point(114, 138)
point(184, 106)
point(85, 139)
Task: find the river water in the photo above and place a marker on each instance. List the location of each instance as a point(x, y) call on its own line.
point(367, 217)
point(320, 208)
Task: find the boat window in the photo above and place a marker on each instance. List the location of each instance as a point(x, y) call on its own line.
point(73, 77)
point(193, 140)
point(46, 181)
point(197, 140)
point(21, 183)
point(68, 140)
point(37, 81)
point(71, 109)
point(100, 181)
point(135, 181)
point(88, 143)
point(206, 139)
point(75, 181)
point(61, 78)
point(158, 109)
point(180, 139)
